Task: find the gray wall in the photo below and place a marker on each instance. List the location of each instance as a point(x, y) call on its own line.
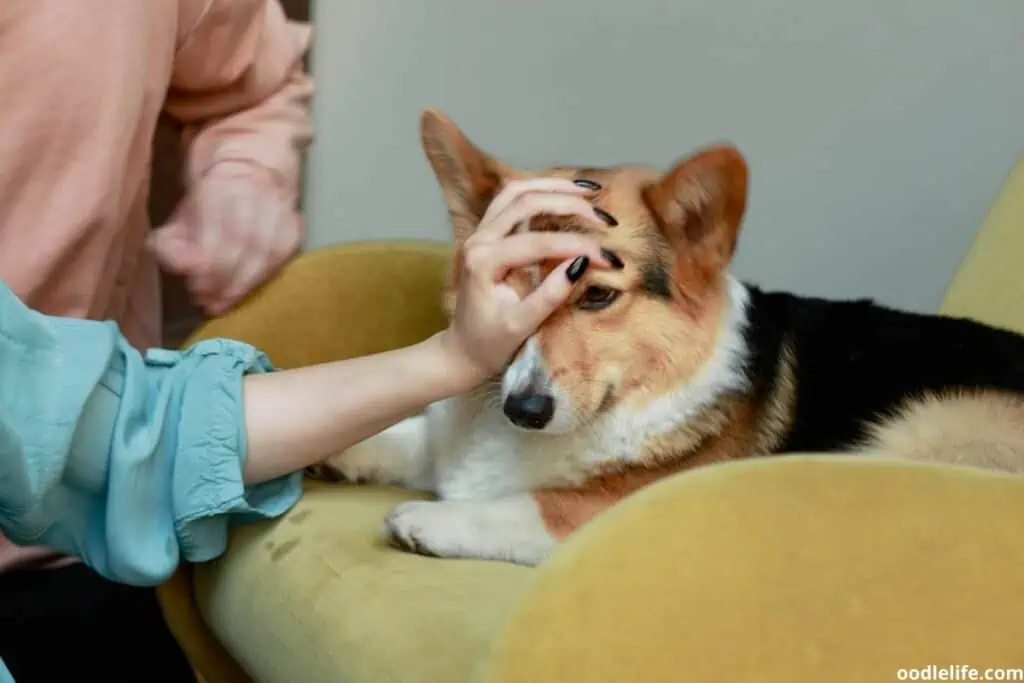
point(878, 131)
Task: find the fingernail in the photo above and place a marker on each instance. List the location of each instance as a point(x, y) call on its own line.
point(577, 268)
point(606, 217)
point(587, 184)
point(613, 260)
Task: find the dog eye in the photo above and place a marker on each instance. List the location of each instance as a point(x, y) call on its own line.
point(596, 297)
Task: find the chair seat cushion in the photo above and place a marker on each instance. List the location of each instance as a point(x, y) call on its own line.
point(319, 596)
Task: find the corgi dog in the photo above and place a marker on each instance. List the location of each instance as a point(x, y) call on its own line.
point(669, 363)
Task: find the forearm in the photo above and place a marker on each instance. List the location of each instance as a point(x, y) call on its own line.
point(299, 417)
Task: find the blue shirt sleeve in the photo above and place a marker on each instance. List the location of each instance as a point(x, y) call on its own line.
point(132, 463)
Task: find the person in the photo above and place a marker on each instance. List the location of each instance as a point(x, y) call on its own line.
point(136, 462)
point(85, 84)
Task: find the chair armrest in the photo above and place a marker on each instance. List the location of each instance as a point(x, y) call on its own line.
point(791, 569)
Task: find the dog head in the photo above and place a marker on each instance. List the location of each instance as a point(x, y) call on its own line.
point(630, 335)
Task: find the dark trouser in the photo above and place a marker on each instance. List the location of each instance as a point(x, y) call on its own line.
point(71, 624)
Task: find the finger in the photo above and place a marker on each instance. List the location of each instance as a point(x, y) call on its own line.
point(216, 246)
point(213, 205)
point(205, 280)
point(552, 293)
point(285, 238)
point(172, 248)
point(271, 235)
point(201, 289)
point(518, 190)
point(246, 279)
point(494, 260)
point(531, 205)
point(244, 238)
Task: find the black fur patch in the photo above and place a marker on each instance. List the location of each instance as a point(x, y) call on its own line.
point(857, 361)
point(655, 280)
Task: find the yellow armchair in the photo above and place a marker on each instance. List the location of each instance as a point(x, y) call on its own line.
point(794, 569)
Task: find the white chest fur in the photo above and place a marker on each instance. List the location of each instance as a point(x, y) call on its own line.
point(478, 455)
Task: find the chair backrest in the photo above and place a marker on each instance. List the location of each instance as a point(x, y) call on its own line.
point(989, 285)
point(342, 301)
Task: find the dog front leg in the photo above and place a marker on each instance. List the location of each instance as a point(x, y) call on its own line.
point(397, 456)
point(509, 529)
point(522, 529)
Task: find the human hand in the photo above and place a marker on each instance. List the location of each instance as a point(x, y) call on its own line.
point(491, 320)
point(233, 233)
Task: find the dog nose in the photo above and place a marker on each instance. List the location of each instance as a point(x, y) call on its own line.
point(529, 410)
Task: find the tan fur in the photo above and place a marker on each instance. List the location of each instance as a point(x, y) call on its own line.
point(776, 418)
point(632, 353)
point(722, 435)
point(565, 510)
point(974, 429)
point(639, 348)
point(735, 430)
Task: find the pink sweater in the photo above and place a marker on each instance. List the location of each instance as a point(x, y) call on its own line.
point(83, 83)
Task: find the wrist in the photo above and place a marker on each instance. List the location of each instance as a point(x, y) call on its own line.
point(454, 362)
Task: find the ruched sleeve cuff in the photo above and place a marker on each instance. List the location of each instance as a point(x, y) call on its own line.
point(208, 494)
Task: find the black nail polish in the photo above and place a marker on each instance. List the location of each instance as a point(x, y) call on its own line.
point(577, 268)
point(606, 217)
point(587, 184)
point(613, 259)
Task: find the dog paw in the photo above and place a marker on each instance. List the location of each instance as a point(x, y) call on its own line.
point(435, 529)
point(509, 530)
point(357, 465)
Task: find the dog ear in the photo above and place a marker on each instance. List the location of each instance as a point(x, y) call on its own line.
point(469, 177)
point(699, 206)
